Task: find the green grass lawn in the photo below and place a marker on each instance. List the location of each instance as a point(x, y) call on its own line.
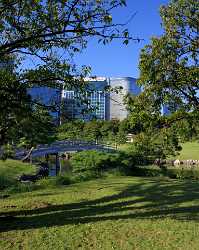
point(113, 213)
point(11, 169)
point(190, 150)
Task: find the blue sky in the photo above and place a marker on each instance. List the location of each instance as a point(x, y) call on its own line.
point(117, 59)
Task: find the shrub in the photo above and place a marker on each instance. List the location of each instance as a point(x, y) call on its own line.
point(63, 180)
point(86, 176)
point(171, 172)
point(93, 161)
point(5, 182)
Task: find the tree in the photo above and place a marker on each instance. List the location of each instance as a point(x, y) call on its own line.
point(42, 31)
point(169, 65)
point(71, 130)
point(38, 128)
point(157, 144)
point(14, 104)
point(92, 130)
point(169, 77)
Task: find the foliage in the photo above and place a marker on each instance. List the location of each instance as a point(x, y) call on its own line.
point(143, 113)
point(186, 128)
point(63, 180)
point(169, 78)
point(169, 65)
point(92, 161)
point(43, 25)
point(7, 152)
point(95, 130)
point(157, 144)
point(92, 130)
point(70, 130)
point(14, 105)
point(38, 128)
point(42, 31)
point(182, 172)
point(94, 164)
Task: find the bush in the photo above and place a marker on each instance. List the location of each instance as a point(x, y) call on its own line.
point(183, 173)
point(93, 161)
point(171, 172)
point(86, 176)
point(63, 180)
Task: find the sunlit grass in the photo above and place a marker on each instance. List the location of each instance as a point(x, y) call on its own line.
point(114, 213)
point(190, 150)
point(10, 170)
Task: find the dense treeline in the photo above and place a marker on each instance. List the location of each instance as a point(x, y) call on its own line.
point(96, 130)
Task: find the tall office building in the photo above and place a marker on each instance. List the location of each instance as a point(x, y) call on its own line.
point(96, 102)
point(104, 105)
point(117, 107)
point(91, 104)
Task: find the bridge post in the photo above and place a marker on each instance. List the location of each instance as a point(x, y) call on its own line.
point(57, 163)
point(47, 158)
point(30, 158)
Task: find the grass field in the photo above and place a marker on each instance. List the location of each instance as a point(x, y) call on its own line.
point(190, 150)
point(116, 213)
point(11, 169)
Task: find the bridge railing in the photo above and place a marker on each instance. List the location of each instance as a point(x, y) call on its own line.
point(64, 145)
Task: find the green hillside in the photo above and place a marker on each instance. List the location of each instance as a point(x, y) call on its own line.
point(190, 150)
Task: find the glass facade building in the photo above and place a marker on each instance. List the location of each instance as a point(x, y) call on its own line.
point(101, 104)
point(95, 103)
point(91, 104)
point(117, 107)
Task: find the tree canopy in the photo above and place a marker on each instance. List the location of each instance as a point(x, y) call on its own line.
point(169, 65)
point(47, 33)
point(43, 30)
point(169, 78)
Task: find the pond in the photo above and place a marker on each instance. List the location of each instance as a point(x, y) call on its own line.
point(64, 164)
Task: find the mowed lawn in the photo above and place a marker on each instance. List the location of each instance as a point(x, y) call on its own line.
point(190, 150)
point(10, 170)
point(112, 213)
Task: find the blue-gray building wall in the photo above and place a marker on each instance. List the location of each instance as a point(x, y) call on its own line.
point(117, 106)
point(107, 105)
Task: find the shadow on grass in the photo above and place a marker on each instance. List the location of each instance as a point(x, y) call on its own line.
point(154, 200)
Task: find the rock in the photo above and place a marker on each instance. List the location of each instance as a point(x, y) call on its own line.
point(177, 162)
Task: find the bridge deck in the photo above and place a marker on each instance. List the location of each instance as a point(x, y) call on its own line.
point(65, 146)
